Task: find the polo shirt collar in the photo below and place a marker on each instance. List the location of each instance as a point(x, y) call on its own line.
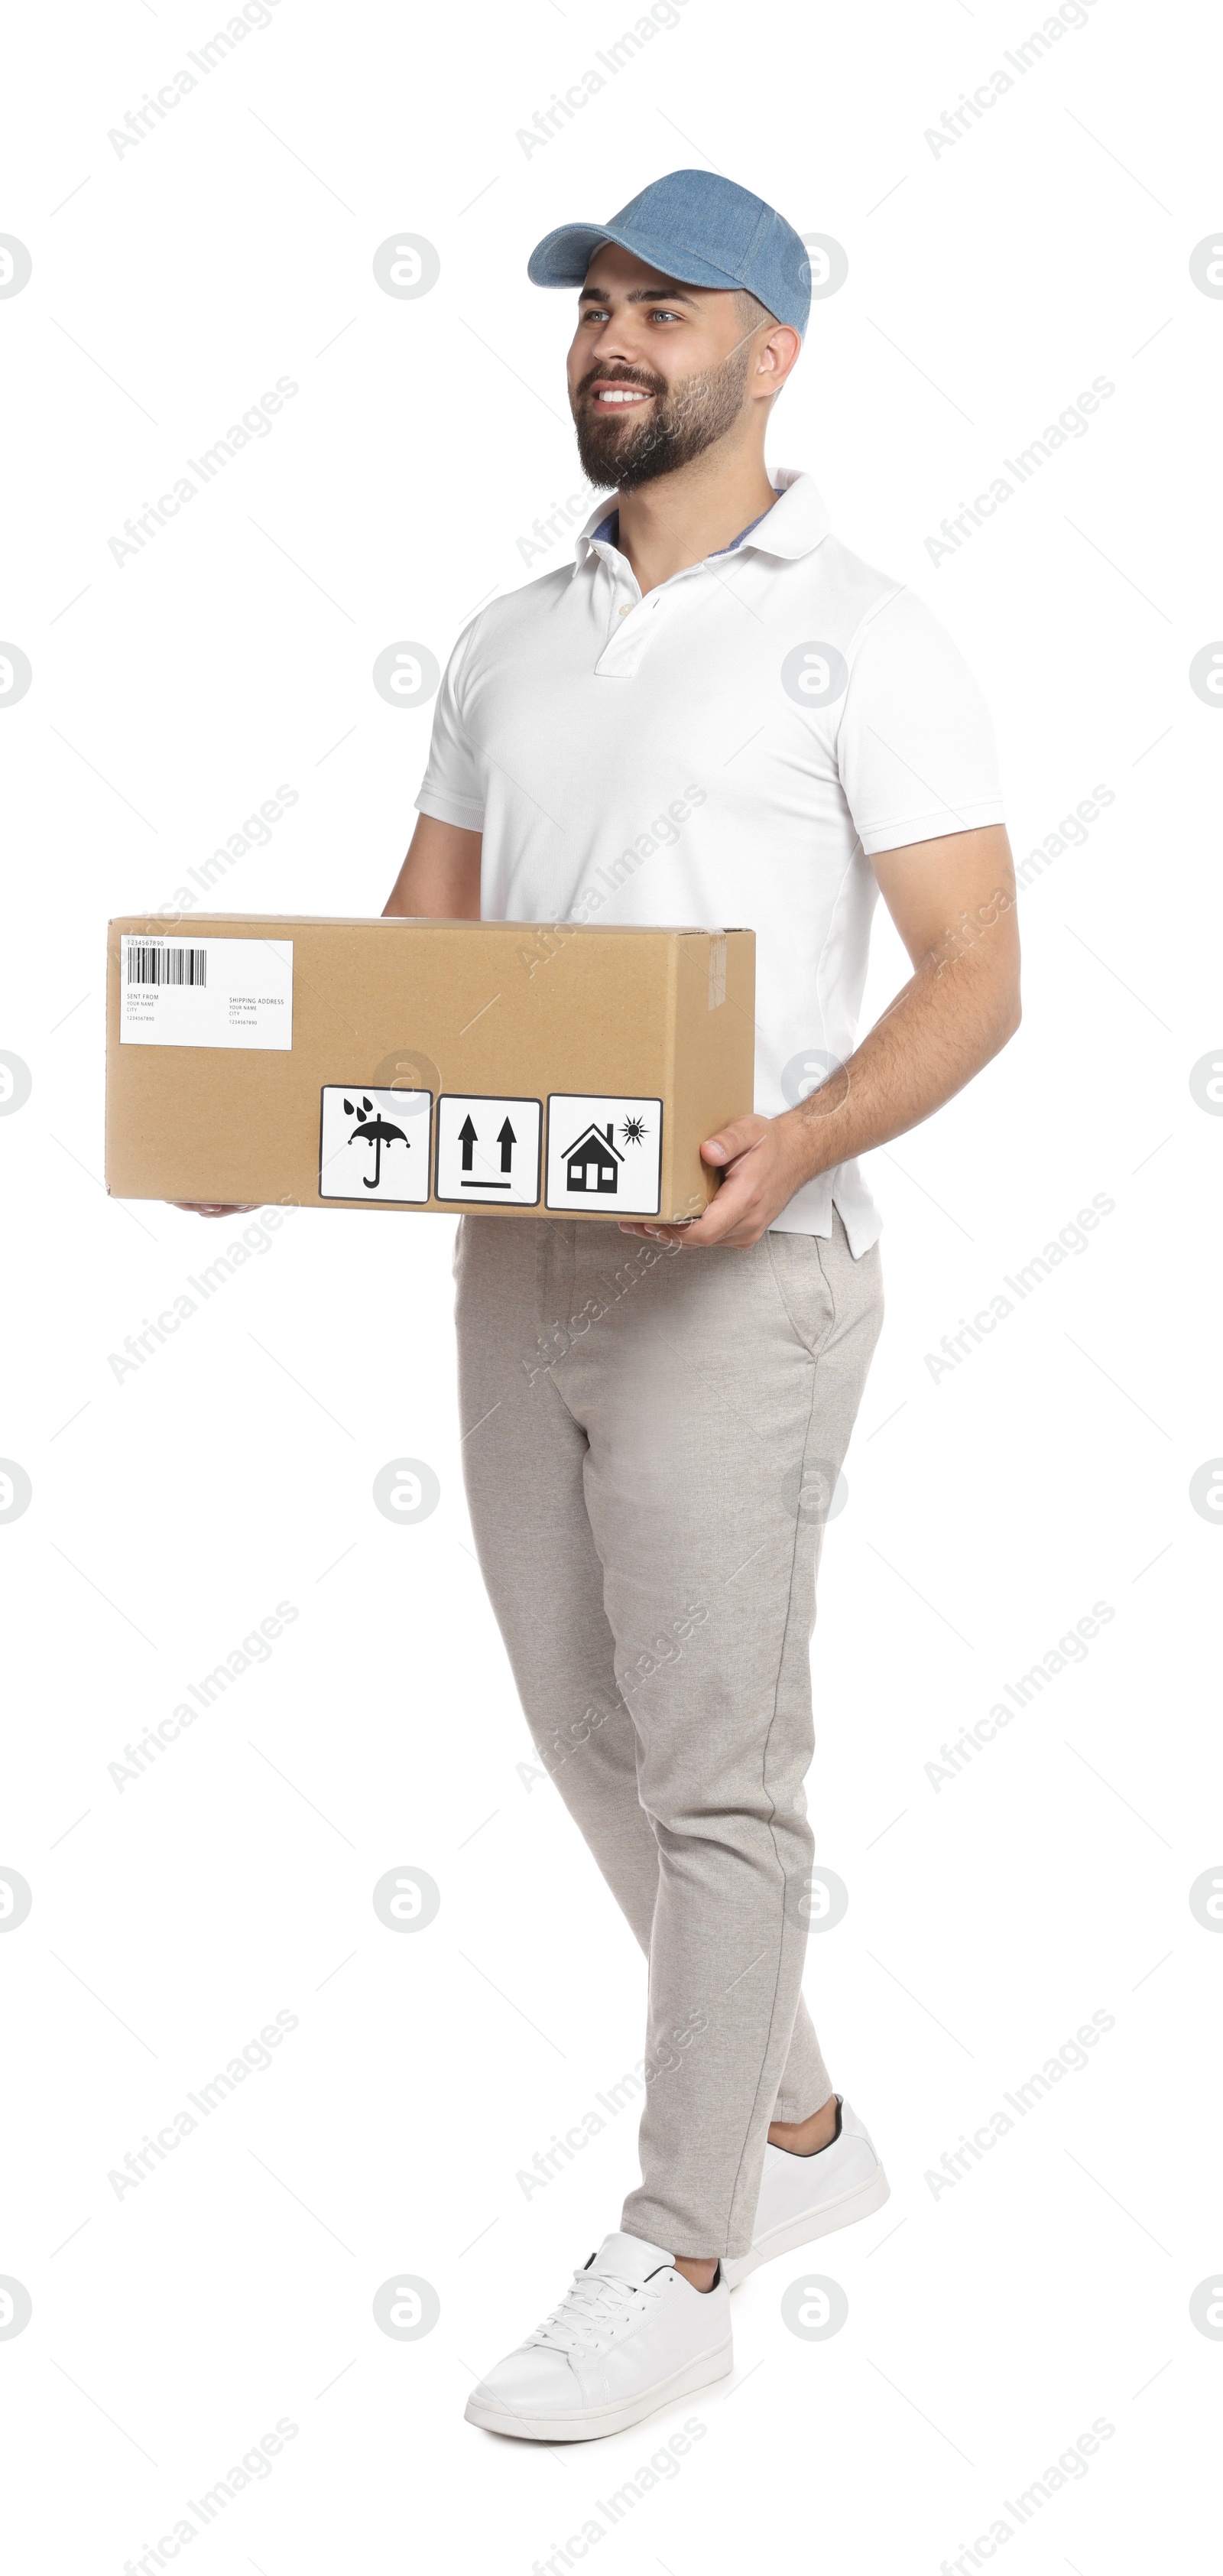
point(795, 526)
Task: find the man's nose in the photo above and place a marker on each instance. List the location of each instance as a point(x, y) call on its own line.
point(614, 340)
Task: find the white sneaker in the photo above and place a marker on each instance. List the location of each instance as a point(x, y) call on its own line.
point(628, 2336)
point(802, 2197)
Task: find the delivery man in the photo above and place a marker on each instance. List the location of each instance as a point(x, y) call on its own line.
point(715, 715)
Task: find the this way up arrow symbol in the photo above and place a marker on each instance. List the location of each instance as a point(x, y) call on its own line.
point(507, 1141)
point(467, 1138)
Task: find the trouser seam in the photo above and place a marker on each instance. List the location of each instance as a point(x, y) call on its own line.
point(764, 1755)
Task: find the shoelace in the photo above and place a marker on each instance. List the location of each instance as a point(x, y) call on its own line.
point(591, 2310)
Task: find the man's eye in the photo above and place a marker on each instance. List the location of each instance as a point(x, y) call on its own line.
point(663, 313)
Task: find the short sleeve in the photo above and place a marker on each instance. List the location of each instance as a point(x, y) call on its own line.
point(451, 789)
point(915, 746)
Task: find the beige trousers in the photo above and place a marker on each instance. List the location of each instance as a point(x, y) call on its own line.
point(651, 1442)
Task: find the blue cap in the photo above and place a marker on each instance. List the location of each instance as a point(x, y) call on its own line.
point(700, 229)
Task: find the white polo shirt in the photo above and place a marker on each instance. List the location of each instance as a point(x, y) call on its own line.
point(731, 750)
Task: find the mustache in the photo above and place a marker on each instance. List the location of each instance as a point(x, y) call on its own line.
point(637, 376)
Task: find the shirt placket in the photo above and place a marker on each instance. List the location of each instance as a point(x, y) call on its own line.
point(633, 620)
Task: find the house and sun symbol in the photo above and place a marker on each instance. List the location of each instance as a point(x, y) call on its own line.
point(592, 1161)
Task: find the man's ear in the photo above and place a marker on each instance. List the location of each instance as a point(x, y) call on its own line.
point(777, 358)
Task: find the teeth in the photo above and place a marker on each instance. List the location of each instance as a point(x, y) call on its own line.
point(607, 396)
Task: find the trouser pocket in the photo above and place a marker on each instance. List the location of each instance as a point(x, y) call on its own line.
point(803, 1287)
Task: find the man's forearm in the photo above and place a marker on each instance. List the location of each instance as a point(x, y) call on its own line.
point(944, 1024)
point(440, 877)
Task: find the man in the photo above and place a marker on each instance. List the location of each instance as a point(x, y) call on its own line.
point(650, 1455)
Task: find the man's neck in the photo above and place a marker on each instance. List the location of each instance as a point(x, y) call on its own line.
point(681, 518)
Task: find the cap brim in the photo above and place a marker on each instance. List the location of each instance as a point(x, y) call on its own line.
point(563, 257)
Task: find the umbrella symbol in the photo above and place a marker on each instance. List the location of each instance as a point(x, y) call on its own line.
point(377, 1131)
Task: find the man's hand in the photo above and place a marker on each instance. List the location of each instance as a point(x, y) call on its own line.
point(192, 1207)
point(763, 1161)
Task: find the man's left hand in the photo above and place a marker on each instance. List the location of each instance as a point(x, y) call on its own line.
point(762, 1165)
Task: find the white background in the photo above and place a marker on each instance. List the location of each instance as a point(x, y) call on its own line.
point(988, 1510)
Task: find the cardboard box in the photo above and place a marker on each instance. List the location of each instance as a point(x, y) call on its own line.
point(521, 1068)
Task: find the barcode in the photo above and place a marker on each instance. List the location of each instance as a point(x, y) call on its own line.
point(166, 965)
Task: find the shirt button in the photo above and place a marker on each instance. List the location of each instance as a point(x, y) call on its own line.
point(626, 612)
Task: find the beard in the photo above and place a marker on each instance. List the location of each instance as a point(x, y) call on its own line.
point(620, 452)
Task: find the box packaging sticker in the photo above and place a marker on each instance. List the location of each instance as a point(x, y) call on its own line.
point(603, 1154)
point(206, 992)
point(488, 1149)
point(374, 1144)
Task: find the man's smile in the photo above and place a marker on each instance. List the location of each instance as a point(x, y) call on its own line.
point(615, 393)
